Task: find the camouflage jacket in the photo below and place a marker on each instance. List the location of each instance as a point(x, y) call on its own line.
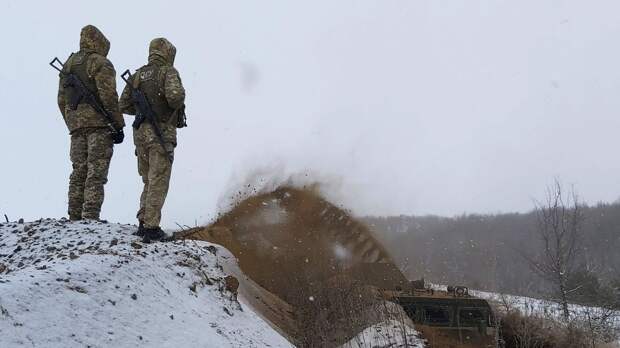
point(170, 89)
point(95, 46)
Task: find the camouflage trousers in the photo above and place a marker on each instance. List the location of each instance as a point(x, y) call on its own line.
point(155, 168)
point(91, 152)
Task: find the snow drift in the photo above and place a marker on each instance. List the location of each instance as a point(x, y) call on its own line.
point(77, 284)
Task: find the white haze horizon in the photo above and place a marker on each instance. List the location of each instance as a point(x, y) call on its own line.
point(402, 107)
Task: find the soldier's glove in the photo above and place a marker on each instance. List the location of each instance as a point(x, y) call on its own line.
point(181, 117)
point(118, 137)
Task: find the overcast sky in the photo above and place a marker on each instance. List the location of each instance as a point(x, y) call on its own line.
point(403, 107)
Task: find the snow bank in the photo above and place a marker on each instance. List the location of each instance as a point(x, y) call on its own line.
point(78, 284)
point(391, 333)
point(527, 305)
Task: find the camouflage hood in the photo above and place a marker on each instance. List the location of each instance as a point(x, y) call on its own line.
point(93, 40)
point(162, 52)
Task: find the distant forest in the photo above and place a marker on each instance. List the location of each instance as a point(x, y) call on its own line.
point(491, 252)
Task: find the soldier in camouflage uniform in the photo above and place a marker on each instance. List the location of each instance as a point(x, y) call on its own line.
point(161, 84)
point(91, 140)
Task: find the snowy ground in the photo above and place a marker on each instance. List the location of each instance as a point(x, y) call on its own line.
point(388, 334)
point(540, 307)
point(527, 305)
point(93, 284)
point(548, 309)
point(66, 284)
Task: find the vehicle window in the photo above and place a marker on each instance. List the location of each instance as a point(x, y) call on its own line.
point(437, 315)
point(411, 311)
point(471, 316)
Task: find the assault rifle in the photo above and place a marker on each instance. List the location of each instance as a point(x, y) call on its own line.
point(82, 93)
point(144, 112)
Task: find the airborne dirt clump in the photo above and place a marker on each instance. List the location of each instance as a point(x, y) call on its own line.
point(312, 255)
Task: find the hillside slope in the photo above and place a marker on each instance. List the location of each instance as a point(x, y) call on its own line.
point(77, 284)
point(316, 260)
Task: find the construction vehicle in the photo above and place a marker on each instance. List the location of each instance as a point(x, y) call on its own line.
point(298, 250)
point(449, 320)
point(445, 318)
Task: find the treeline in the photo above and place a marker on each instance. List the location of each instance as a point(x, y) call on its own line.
point(492, 252)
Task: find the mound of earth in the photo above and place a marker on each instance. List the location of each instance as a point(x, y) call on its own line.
point(79, 284)
point(319, 261)
point(292, 236)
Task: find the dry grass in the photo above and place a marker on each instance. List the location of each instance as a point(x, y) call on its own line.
point(335, 312)
point(531, 330)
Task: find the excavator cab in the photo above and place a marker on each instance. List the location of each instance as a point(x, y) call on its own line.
point(450, 318)
point(446, 318)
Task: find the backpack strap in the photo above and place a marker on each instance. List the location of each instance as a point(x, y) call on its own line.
point(136, 79)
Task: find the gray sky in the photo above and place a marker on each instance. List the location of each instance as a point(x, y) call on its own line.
point(404, 107)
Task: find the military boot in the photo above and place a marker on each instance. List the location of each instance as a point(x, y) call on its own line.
point(140, 231)
point(75, 217)
point(86, 220)
point(153, 235)
point(94, 217)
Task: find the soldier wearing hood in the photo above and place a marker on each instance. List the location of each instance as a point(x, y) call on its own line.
point(160, 82)
point(91, 140)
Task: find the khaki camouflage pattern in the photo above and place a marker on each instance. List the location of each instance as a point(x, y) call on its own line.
point(91, 152)
point(153, 164)
point(101, 70)
point(161, 54)
point(155, 168)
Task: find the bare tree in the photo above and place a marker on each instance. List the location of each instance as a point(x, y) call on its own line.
point(599, 325)
point(559, 224)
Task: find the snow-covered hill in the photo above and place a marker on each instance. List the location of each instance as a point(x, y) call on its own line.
point(78, 284)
